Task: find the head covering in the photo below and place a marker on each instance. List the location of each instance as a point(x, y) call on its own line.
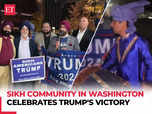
point(66, 24)
point(32, 26)
point(129, 13)
point(7, 23)
point(27, 24)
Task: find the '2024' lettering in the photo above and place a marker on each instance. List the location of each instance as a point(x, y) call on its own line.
point(66, 76)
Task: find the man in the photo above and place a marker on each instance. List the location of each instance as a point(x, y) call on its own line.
point(7, 52)
point(25, 46)
point(64, 41)
point(130, 55)
point(83, 34)
point(43, 38)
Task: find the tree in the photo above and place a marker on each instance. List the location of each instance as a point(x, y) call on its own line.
point(88, 8)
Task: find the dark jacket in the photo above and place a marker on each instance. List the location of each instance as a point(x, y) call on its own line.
point(85, 41)
point(32, 44)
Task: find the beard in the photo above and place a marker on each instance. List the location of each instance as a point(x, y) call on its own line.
point(46, 33)
point(62, 33)
point(6, 33)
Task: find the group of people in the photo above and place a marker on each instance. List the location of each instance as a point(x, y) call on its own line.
point(130, 55)
point(24, 46)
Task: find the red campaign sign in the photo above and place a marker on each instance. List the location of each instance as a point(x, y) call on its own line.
point(1, 109)
point(9, 9)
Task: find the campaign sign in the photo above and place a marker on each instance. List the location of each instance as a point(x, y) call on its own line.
point(101, 44)
point(63, 66)
point(28, 69)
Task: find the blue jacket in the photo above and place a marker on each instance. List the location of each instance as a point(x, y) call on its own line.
point(138, 61)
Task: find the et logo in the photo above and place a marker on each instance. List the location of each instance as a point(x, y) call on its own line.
point(1, 109)
point(9, 9)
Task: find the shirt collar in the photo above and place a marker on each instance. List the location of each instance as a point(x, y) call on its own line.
point(83, 30)
point(65, 36)
point(24, 39)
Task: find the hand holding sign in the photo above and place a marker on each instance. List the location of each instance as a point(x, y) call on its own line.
point(27, 69)
point(57, 44)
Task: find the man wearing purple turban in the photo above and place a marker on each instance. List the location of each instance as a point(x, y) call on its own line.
point(7, 52)
point(130, 54)
point(64, 41)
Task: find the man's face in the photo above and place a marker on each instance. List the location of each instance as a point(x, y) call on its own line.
point(118, 26)
point(7, 28)
point(46, 28)
point(62, 28)
point(24, 32)
point(83, 23)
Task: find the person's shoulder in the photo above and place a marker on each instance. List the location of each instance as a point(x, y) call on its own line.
point(1, 40)
point(53, 34)
point(89, 30)
point(32, 41)
point(141, 41)
point(12, 37)
point(72, 37)
point(1, 37)
point(75, 32)
point(54, 37)
point(38, 34)
point(17, 39)
point(139, 38)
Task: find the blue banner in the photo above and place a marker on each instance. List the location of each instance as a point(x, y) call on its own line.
point(63, 66)
point(101, 44)
point(28, 69)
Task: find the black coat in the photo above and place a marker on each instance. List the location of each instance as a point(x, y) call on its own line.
point(32, 44)
point(85, 41)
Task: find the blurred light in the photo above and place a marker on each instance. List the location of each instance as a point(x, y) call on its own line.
point(39, 1)
point(150, 17)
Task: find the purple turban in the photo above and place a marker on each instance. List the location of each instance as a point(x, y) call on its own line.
point(129, 13)
point(66, 24)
